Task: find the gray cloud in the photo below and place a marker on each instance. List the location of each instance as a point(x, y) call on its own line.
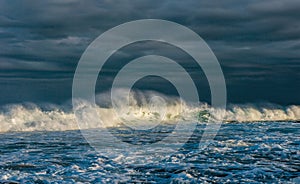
point(253, 40)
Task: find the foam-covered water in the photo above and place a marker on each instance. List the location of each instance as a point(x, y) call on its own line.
point(256, 143)
point(257, 152)
point(32, 117)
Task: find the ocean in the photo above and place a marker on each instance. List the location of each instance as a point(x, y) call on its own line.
point(253, 145)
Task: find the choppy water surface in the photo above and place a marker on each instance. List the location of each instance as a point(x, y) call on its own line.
point(241, 152)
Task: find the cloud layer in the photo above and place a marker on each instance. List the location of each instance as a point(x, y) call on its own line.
point(257, 43)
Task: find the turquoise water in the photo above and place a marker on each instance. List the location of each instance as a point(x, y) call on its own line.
point(255, 152)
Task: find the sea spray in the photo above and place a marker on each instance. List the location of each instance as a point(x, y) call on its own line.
point(34, 117)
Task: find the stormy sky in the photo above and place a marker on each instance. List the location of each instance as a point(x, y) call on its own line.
point(256, 42)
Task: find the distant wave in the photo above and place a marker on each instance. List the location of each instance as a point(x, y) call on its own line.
point(33, 117)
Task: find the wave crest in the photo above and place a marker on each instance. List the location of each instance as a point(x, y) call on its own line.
point(36, 118)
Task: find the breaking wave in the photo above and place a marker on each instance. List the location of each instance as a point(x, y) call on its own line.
point(32, 117)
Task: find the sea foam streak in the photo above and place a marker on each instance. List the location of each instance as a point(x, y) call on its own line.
point(35, 118)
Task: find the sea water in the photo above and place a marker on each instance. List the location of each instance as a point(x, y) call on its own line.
point(242, 152)
point(50, 144)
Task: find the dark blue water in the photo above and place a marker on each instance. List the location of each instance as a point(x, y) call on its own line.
point(261, 152)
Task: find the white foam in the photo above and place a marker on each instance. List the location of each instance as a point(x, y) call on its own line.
point(23, 118)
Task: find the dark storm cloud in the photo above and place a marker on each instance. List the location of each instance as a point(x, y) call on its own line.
point(253, 40)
